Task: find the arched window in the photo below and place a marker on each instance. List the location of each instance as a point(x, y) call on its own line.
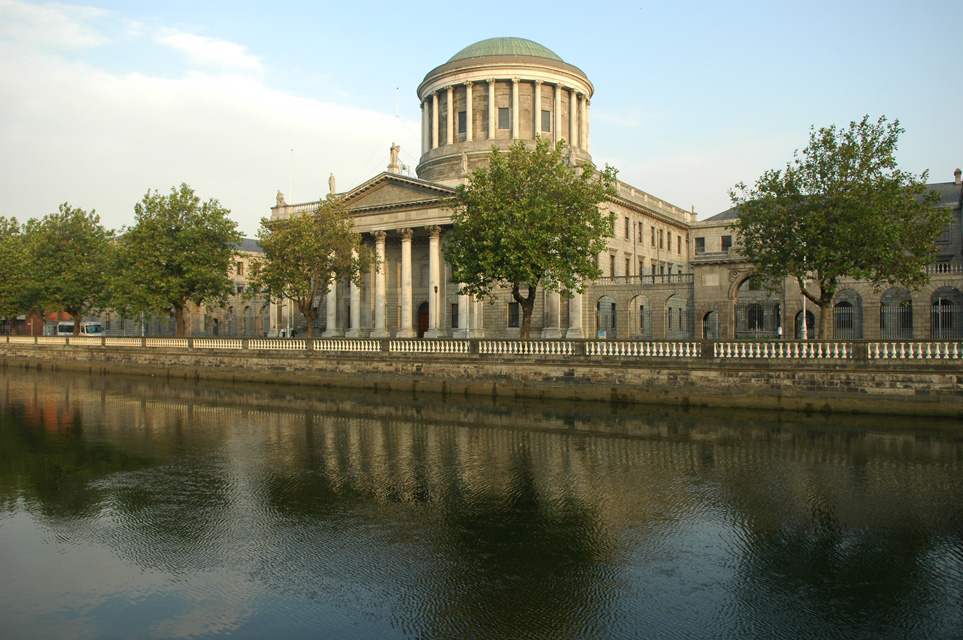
point(710, 326)
point(946, 313)
point(605, 316)
point(847, 319)
point(896, 315)
point(640, 318)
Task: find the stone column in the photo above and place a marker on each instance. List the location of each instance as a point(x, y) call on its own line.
point(331, 299)
point(406, 330)
point(585, 127)
point(434, 281)
point(572, 119)
point(434, 120)
point(379, 288)
point(514, 108)
point(575, 317)
point(355, 330)
point(450, 120)
point(464, 303)
point(492, 111)
point(553, 328)
point(425, 130)
point(468, 111)
point(273, 329)
point(557, 128)
point(537, 100)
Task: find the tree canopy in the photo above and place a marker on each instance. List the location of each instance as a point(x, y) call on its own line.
point(179, 250)
point(305, 253)
point(70, 254)
point(841, 209)
point(528, 220)
point(14, 293)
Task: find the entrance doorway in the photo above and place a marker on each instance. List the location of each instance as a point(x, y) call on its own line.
point(422, 319)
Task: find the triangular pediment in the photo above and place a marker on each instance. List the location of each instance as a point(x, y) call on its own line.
point(389, 190)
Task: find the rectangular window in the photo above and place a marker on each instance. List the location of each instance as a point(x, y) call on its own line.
point(628, 234)
point(504, 118)
point(546, 120)
point(641, 267)
point(661, 245)
point(513, 314)
point(700, 245)
point(678, 244)
point(240, 268)
point(462, 121)
point(668, 240)
point(628, 266)
point(641, 232)
point(612, 266)
point(652, 229)
point(454, 315)
point(726, 243)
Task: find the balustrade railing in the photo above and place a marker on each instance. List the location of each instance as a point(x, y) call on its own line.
point(679, 349)
point(644, 349)
point(914, 350)
point(789, 350)
point(526, 347)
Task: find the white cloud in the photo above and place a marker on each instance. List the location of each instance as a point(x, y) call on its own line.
point(70, 132)
point(208, 52)
point(50, 25)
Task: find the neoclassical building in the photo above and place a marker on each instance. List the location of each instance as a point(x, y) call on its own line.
point(665, 274)
point(496, 92)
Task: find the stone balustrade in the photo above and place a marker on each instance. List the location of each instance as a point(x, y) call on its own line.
point(723, 350)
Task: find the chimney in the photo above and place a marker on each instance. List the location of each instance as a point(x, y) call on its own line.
point(956, 174)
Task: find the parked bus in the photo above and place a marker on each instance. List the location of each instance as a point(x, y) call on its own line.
point(66, 328)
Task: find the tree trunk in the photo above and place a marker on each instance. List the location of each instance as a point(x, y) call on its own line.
point(825, 319)
point(179, 319)
point(527, 304)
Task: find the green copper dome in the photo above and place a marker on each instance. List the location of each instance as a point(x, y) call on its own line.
point(505, 47)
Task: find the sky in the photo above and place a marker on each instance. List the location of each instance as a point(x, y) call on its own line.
point(102, 102)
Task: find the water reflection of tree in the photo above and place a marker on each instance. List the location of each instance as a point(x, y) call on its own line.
point(489, 557)
point(525, 566)
point(813, 561)
point(50, 464)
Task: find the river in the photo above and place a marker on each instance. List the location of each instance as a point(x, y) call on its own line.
point(144, 508)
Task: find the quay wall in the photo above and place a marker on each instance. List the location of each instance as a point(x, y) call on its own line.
point(909, 381)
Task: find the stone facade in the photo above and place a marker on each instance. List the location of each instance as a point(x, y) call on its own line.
point(665, 275)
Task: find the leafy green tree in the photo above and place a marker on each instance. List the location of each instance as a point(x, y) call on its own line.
point(13, 271)
point(526, 220)
point(179, 251)
point(840, 209)
point(305, 253)
point(69, 254)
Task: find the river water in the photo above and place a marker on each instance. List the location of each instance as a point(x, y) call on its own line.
point(140, 508)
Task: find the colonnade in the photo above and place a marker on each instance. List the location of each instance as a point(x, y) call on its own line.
point(577, 133)
point(470, 312)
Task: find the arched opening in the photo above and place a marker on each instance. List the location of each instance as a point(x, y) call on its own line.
point(422, 319)
point(640, 318)
point(758, 312)
point(265, 320)
point(847, 315)
point(710, 326)
point(946, 313)
point(896, 315)
point(605, 316)
point(677, 318)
